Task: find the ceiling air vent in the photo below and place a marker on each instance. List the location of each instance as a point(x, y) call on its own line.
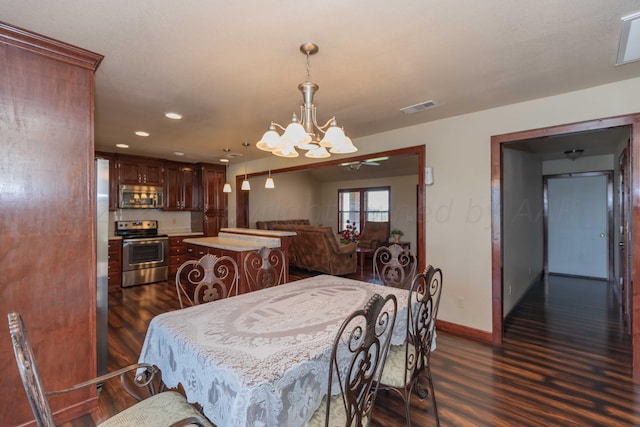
point(426, 105)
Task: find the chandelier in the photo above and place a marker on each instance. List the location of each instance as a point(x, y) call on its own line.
point(306, 133)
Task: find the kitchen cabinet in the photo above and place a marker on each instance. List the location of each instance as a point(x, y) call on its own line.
point(114, 267)
point(140, 170)
point(178, 254)
point(48, 218)
point(180, 187)
point(214, 200)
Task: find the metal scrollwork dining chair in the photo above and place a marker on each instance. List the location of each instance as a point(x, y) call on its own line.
point(160, 408)
point(394, 266)
point(357, 362)
point(207, 279)
point(408, 364)
point(264, 268)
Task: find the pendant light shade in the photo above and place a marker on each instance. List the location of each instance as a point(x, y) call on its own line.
point(269, 182)
point(227, 187)
point(245, 183)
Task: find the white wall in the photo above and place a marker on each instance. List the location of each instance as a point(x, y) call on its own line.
point(522, 232)
point(296, 196)
point(458, 221)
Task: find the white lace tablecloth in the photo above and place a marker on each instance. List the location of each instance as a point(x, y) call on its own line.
point(262, 358)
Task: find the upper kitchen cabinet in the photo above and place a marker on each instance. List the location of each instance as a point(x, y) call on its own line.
point(140, 171)
point(180, 187)
point(48, 218)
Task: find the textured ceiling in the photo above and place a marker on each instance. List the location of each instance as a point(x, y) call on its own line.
point(231, 67)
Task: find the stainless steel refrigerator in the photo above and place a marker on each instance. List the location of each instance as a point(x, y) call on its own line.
point(102, 260)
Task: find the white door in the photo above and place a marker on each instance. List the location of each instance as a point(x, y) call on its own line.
point(577, 241)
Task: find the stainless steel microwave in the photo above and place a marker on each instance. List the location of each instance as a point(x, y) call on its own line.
point(140, 197)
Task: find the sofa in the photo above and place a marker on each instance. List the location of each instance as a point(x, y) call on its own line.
point(317, 248)
point(268, 225)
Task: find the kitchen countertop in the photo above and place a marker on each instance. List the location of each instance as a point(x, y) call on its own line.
point(186, 233)
point(233, 244)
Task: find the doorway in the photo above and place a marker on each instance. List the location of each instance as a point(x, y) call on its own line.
point(632, 123)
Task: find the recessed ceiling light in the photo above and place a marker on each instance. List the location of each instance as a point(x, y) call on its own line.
point(174, 116)
point(224, 160)
point(142, 133)
point(122, 146)
point(178, 153)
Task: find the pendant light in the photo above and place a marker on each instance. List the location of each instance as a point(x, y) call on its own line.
point(269, 182)
point(227, 187)
point(245, 184)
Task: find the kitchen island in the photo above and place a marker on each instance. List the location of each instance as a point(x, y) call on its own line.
point(235, 243)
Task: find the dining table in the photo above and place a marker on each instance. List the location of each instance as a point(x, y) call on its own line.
point(261, 358)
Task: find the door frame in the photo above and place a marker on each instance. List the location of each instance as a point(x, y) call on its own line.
point(632, 120)
point(609, 202)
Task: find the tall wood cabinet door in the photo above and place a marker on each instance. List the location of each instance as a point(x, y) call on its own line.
point(214, 199)
point(172, 193)
point(188, 175)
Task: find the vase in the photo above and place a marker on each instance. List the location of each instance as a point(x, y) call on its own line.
point(396, 238)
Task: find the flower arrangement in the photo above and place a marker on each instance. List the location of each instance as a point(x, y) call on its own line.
point(350, 233)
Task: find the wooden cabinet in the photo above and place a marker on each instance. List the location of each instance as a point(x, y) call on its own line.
point(194, 251)
point(48, 218)
point(178, 253)
point(113, 178)
point(214, 200)
point(140, 170)
point(180, 187)
point(115, 264)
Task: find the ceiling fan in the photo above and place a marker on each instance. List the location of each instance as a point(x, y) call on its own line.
point(354, 166)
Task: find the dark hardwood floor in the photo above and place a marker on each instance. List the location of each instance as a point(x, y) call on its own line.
point(565, 361)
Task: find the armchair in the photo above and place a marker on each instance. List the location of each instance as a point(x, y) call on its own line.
point(374, 235)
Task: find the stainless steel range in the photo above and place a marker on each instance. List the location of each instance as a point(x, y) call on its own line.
point(145, 253)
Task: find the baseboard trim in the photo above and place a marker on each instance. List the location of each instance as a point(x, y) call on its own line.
point(464, 331)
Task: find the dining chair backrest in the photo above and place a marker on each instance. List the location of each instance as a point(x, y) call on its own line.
point(394, 266)
point(155, 406)
point(357, 361)
point(408, 364)
point(207, 279)
point(264, 268)
point(434, 278)
point(29, 372)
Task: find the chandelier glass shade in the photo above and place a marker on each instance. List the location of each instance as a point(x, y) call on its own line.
point(320, 141)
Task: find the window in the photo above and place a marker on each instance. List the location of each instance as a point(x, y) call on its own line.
point(363, 204)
